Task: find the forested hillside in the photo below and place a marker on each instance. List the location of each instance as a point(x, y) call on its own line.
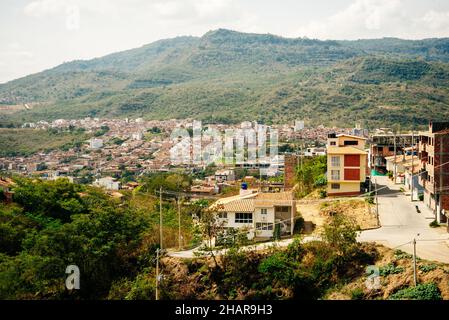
point(229, 76)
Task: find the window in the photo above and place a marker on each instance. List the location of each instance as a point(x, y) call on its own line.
point(350, 143)
point(335, 161)
point(264, 226)
point(333, 143)
point(391, 149)
point(243, 217)
point(223, 215)
point(380, 149)
point(335, 186)
point(263, 211)
point(335, 174)
point(282, 209)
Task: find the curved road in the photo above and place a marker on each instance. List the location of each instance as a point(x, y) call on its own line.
point(401, 223)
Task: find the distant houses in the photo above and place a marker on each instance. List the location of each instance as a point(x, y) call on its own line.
point(225, 175)
point(96, 143)
point(5, 188)
point(313, 152)
point(108, 183)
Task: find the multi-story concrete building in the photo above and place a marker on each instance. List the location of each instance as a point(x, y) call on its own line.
point(434, 173)
point(347, 165)
point(383, 146)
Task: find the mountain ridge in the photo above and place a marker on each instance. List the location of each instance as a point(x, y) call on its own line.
point(226, 74)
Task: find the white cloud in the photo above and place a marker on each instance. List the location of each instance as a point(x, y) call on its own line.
point(185, 9)
point(376, 19)
point(437, 23)
point(155, 13)
point(15, 61)
point(42, 8)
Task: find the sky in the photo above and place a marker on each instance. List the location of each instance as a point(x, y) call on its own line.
point(39, 34)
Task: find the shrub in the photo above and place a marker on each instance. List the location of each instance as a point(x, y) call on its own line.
point(434, 224)
point(399, 254)
point(277, 231)
point(323, 194)
point(238, 272)
point(320, 181)
point(341, 234)
point(278, 268)
point(427, 267)
point(370, 199)
point(295, 251)
point(421, 197)
point(357, 294)
point(426, 291)
point(390, 269)
point(143, 288)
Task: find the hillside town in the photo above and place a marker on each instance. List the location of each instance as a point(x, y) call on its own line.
point(121, 150)
point(136, 147)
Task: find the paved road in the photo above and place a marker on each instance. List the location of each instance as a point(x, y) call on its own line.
point(401, 223)
point(188, 254)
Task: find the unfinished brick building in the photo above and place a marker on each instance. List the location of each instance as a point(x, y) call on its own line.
point(434, 174)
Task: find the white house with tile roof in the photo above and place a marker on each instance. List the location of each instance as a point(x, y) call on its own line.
point(258, 212)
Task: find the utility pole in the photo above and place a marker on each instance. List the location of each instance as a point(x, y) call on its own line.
point(394, 164)
point(179, 225)
point(160, 216)
point(415, 277)
point(413, 171)
point(157, 274)
point(377, 204)
point(440, 193)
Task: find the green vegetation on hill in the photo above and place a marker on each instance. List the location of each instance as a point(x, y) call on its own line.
point(53, 224)
point(227, 76)
point(24, 142)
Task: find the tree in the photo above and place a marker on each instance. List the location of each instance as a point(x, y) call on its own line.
point(278, 268)
point(56, 199)
point(341, 234)
point(168, 181)
point(311, 174)
point(210, 228)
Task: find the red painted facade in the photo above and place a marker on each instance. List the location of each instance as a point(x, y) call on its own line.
point(352, 174)
point(352, 160)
